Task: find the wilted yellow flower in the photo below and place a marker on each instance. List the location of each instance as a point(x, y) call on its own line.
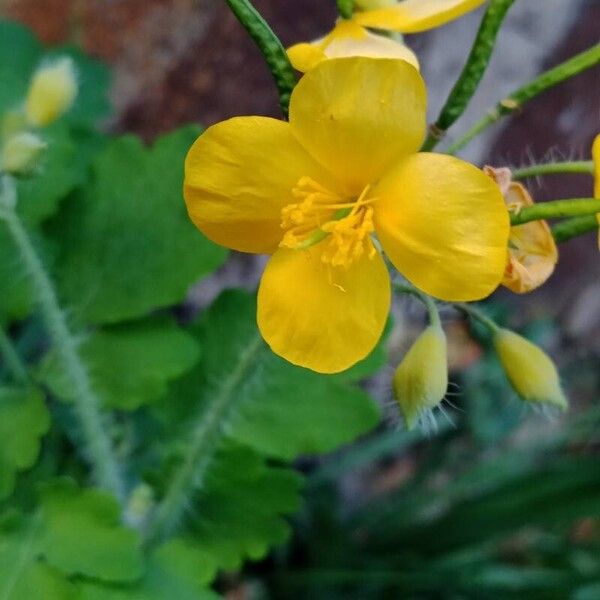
point(532, 251)
point(529, 369)
point(421, 379)
point(52, 91)
point(596, 158)
point(348, 39)
point(313, 192)
point(19, 152)
point(351, 38)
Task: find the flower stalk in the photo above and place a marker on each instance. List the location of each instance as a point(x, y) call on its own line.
point(574, 227)
point(585, 167)
point(270, 46)
point(432, 311)
point(478, 315)
point(472, 73)
point(98, 446)
point(573, 207)
point(12, 360)
point(515, 101)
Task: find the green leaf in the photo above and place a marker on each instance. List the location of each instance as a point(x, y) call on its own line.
point(130, 364)
point(127, 245)
point(281, 410)
point(23, 576)
point(80, 533)
point(24, 419)
point(177, 570)
point(239, 512)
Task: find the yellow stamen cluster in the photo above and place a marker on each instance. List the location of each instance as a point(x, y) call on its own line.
point(323, 214)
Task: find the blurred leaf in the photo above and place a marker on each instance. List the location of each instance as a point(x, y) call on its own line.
point(130, 364)
point(80, 533)
point(127, 245)
point(281, 410)
point(178, 570)
point(23, 576)
point(238, 513)
point(24, 419)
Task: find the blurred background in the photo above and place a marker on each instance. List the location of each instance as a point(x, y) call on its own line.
point(501, 502)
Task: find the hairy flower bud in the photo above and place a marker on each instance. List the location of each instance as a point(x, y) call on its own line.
point(52, 91)
point(421, 379)
point(531, 372)
point(20, 152)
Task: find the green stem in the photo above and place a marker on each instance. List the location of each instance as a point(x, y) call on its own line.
point(556, 209)
point(345, 8)
point(12, 359)
point(577, 166)
point(272, 49)
point(476, 314)
point(201, 450)
point(98, 446)
point(473, 71)
point(574, 227)
point(515, 101)
point(434, 316)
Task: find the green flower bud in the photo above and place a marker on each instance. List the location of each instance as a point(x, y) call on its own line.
point(52, 91)
point(20, 153)
point(531, 372)
point(373, 4)
point(421, 379)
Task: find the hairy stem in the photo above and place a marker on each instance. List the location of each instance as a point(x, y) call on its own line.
point(574, 227)
point(208, 428)
point(478, 315)
point(98, 448)
point(578, 166)
point(515, 101)
point(434, 316)
point(11, 357)
point(473, 71)
point(271, 47)
point(573, 207)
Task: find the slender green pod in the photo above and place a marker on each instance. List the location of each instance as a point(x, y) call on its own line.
point(513, 102)
point(556, 209)
point(574, 227)
point(585, 167)
point(270, 46)
point(472, 73)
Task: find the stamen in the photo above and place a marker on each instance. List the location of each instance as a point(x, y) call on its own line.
point(322, 214)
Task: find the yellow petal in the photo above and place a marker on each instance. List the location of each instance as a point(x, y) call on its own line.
point(411, 16)
point(596, 158)
point(239, 174)
point(444, 226)
point(358, 115)
point(319, 317)
point(532, 252)
point(348, 39)
point(306, 56)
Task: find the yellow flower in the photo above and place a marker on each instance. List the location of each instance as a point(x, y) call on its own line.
point(313, 191)
point(532, 252)
point(421, 380)
point(412, 16)
point(51, 93)
point(348, 39)
point(19, 152)
point(596, 158)
point(529, 369)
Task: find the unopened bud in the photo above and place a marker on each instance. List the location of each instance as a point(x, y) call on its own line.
point(421, 379)
point(531, 372)
point(52, 91)
point(20, 152)
point(139, 505)
point(373, 4)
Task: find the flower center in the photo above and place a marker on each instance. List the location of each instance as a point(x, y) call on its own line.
point(320, 215)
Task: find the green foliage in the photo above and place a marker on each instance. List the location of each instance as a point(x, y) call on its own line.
point(130, 364)
point(127, 246)
point(24, 419)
